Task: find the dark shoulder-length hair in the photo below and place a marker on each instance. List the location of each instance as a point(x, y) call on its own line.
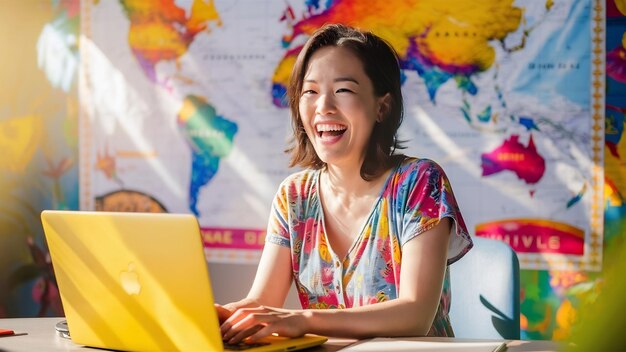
point(380, 62)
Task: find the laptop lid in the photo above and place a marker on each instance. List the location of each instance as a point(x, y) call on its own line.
point(137, 281)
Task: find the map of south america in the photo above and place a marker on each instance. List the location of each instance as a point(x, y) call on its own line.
point(163, 31)
point(210, 137)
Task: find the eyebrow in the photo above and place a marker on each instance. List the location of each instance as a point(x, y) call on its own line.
point(338, 79)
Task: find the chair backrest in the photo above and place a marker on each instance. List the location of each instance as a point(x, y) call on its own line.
point(486, 292)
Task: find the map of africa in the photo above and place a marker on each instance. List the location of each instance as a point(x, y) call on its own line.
point(190, 108)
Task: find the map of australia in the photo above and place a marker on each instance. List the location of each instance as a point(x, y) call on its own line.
point(513, 156)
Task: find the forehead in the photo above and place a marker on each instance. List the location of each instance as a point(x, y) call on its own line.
point(334, 61)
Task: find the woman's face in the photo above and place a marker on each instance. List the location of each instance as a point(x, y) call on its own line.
point(338, 106)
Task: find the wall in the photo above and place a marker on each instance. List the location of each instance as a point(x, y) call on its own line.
point(226, 289)
point(39, 143)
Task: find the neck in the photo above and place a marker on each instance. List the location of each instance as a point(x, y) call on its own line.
point(347, 181)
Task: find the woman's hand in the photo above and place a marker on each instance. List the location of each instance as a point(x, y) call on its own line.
point(258, 322)
point(223, 313)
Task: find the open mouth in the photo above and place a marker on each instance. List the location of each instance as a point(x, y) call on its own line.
point(330, 130)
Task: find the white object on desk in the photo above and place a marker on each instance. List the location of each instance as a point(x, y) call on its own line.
point(409, 344)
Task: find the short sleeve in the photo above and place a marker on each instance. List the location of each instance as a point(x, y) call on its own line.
point(429, 198)
point(278, 226)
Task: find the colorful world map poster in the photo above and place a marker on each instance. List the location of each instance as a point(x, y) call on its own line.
point(183, 110)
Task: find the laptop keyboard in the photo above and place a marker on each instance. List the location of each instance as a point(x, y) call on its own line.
point(242, 346)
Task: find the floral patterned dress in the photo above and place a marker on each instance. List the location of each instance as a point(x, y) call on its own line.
point(416, 196)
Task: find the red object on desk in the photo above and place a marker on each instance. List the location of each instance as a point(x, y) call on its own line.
point(6, 332)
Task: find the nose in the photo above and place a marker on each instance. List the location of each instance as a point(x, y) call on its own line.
point(325, 104)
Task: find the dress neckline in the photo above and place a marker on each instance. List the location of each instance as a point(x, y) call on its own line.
point(375, 205)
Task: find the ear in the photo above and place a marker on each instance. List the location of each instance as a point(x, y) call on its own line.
point(384, 105)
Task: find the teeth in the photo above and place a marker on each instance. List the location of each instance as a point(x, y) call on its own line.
point(329, 127)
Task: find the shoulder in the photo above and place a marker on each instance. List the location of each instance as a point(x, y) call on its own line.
point(300, 177)
point(298, 183)
point(412, 169)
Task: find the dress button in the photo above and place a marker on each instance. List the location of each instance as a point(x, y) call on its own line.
point(337, 264)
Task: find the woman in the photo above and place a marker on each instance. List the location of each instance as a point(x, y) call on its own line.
point(361, 229)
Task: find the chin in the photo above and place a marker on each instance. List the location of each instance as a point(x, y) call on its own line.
point(330, 159)
point(324, 158)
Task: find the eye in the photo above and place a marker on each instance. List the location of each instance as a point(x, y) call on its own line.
point(308, 91)
point(344, 90)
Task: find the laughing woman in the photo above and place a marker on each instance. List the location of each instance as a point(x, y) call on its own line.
point(365, 233)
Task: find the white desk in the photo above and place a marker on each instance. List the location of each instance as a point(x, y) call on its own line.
point(41, 336)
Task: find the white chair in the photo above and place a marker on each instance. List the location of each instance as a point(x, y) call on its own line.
point(486, 292)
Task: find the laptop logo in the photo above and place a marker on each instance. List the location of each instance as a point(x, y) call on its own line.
point(130, 280)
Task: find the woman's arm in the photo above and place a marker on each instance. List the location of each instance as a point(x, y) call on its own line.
point(273, 277)
point(412, 314)
point(271, 282)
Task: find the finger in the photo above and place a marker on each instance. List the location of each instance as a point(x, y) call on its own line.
point(265, 331)
point(241, 314)
point(222, 310)
point(288, 326)
point(233, 319)
point(243, 328)
point(244, 334)
point(222, 313)
point(233, 329)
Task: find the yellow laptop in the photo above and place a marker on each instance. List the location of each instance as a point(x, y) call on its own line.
point(138, 281)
